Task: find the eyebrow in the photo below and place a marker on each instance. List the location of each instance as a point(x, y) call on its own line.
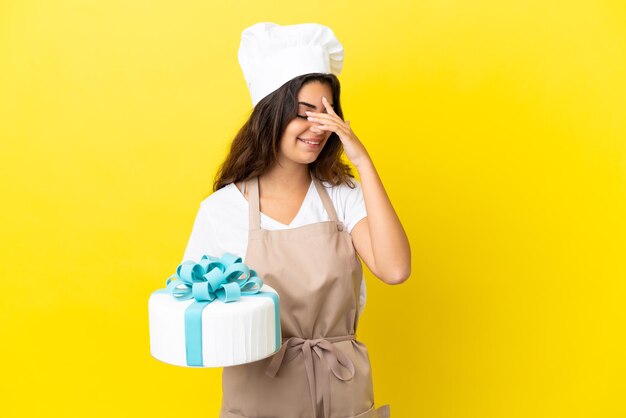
point(312, 106)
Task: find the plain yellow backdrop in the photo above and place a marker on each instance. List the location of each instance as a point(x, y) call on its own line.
point(498, 128)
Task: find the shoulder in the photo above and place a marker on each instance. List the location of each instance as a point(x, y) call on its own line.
point(222, 200)
point(220, 225)
point(343, 192)
point(348, 202)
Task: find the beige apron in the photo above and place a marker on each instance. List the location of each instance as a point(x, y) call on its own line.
point(321, 370)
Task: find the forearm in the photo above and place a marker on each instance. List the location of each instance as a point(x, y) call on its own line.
point(390, 245)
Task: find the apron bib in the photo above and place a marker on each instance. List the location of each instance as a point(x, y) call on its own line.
point(321, 370)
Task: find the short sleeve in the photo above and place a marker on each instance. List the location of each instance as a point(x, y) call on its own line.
point(354, 206)
point(201, 239)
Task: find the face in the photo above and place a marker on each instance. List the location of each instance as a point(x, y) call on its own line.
point(293, 147)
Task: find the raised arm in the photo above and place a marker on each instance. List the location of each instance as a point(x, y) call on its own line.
point(379, 238)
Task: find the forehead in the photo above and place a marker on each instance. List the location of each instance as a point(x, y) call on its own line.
point(314, 91)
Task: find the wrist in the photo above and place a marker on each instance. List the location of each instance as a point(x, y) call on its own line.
point(364, 164)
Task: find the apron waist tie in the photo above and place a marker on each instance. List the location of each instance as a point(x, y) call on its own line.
point(332, 360)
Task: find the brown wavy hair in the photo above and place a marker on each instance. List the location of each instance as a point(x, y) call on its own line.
point(255, 147)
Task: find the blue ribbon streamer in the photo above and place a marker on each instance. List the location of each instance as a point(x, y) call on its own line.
point(226, 279)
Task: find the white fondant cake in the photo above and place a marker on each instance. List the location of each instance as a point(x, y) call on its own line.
point(237, 332)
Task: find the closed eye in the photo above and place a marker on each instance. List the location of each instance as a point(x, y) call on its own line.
point(303, 117)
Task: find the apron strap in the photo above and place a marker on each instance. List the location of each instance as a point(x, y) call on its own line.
point(328, 204)
point(254, 214)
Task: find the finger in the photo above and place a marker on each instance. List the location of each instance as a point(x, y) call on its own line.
point(333, 127)
point(329, 122)
point(325, 117)
point(329, 110)
point(328, 107)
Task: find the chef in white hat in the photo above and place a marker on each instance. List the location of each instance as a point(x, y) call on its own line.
point(287, 204)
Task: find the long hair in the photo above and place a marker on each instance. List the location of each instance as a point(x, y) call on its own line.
point(255, 147)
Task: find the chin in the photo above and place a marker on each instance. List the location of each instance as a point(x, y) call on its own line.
point(308, 160)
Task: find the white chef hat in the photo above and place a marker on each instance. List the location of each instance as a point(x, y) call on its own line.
point(270, 54)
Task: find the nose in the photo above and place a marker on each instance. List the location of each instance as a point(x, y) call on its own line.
point(316, 130)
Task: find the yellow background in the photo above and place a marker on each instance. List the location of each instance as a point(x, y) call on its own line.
point(498, 128)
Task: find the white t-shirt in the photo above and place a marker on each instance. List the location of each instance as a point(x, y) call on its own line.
point(221, 224)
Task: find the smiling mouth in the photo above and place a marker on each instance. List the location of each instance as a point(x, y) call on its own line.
point(306, 141)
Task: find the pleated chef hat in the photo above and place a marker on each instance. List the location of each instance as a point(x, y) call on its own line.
point(270, 54)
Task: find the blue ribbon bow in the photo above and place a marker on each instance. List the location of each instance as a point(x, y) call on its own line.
point(226, 279)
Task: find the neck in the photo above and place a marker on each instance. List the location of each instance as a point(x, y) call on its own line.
point(285, 179)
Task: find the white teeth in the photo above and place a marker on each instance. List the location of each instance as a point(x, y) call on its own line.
point(309, 142)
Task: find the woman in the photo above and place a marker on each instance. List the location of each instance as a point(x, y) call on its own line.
point(288, 205)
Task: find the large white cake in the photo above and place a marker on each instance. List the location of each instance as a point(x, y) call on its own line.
point(214, 334)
